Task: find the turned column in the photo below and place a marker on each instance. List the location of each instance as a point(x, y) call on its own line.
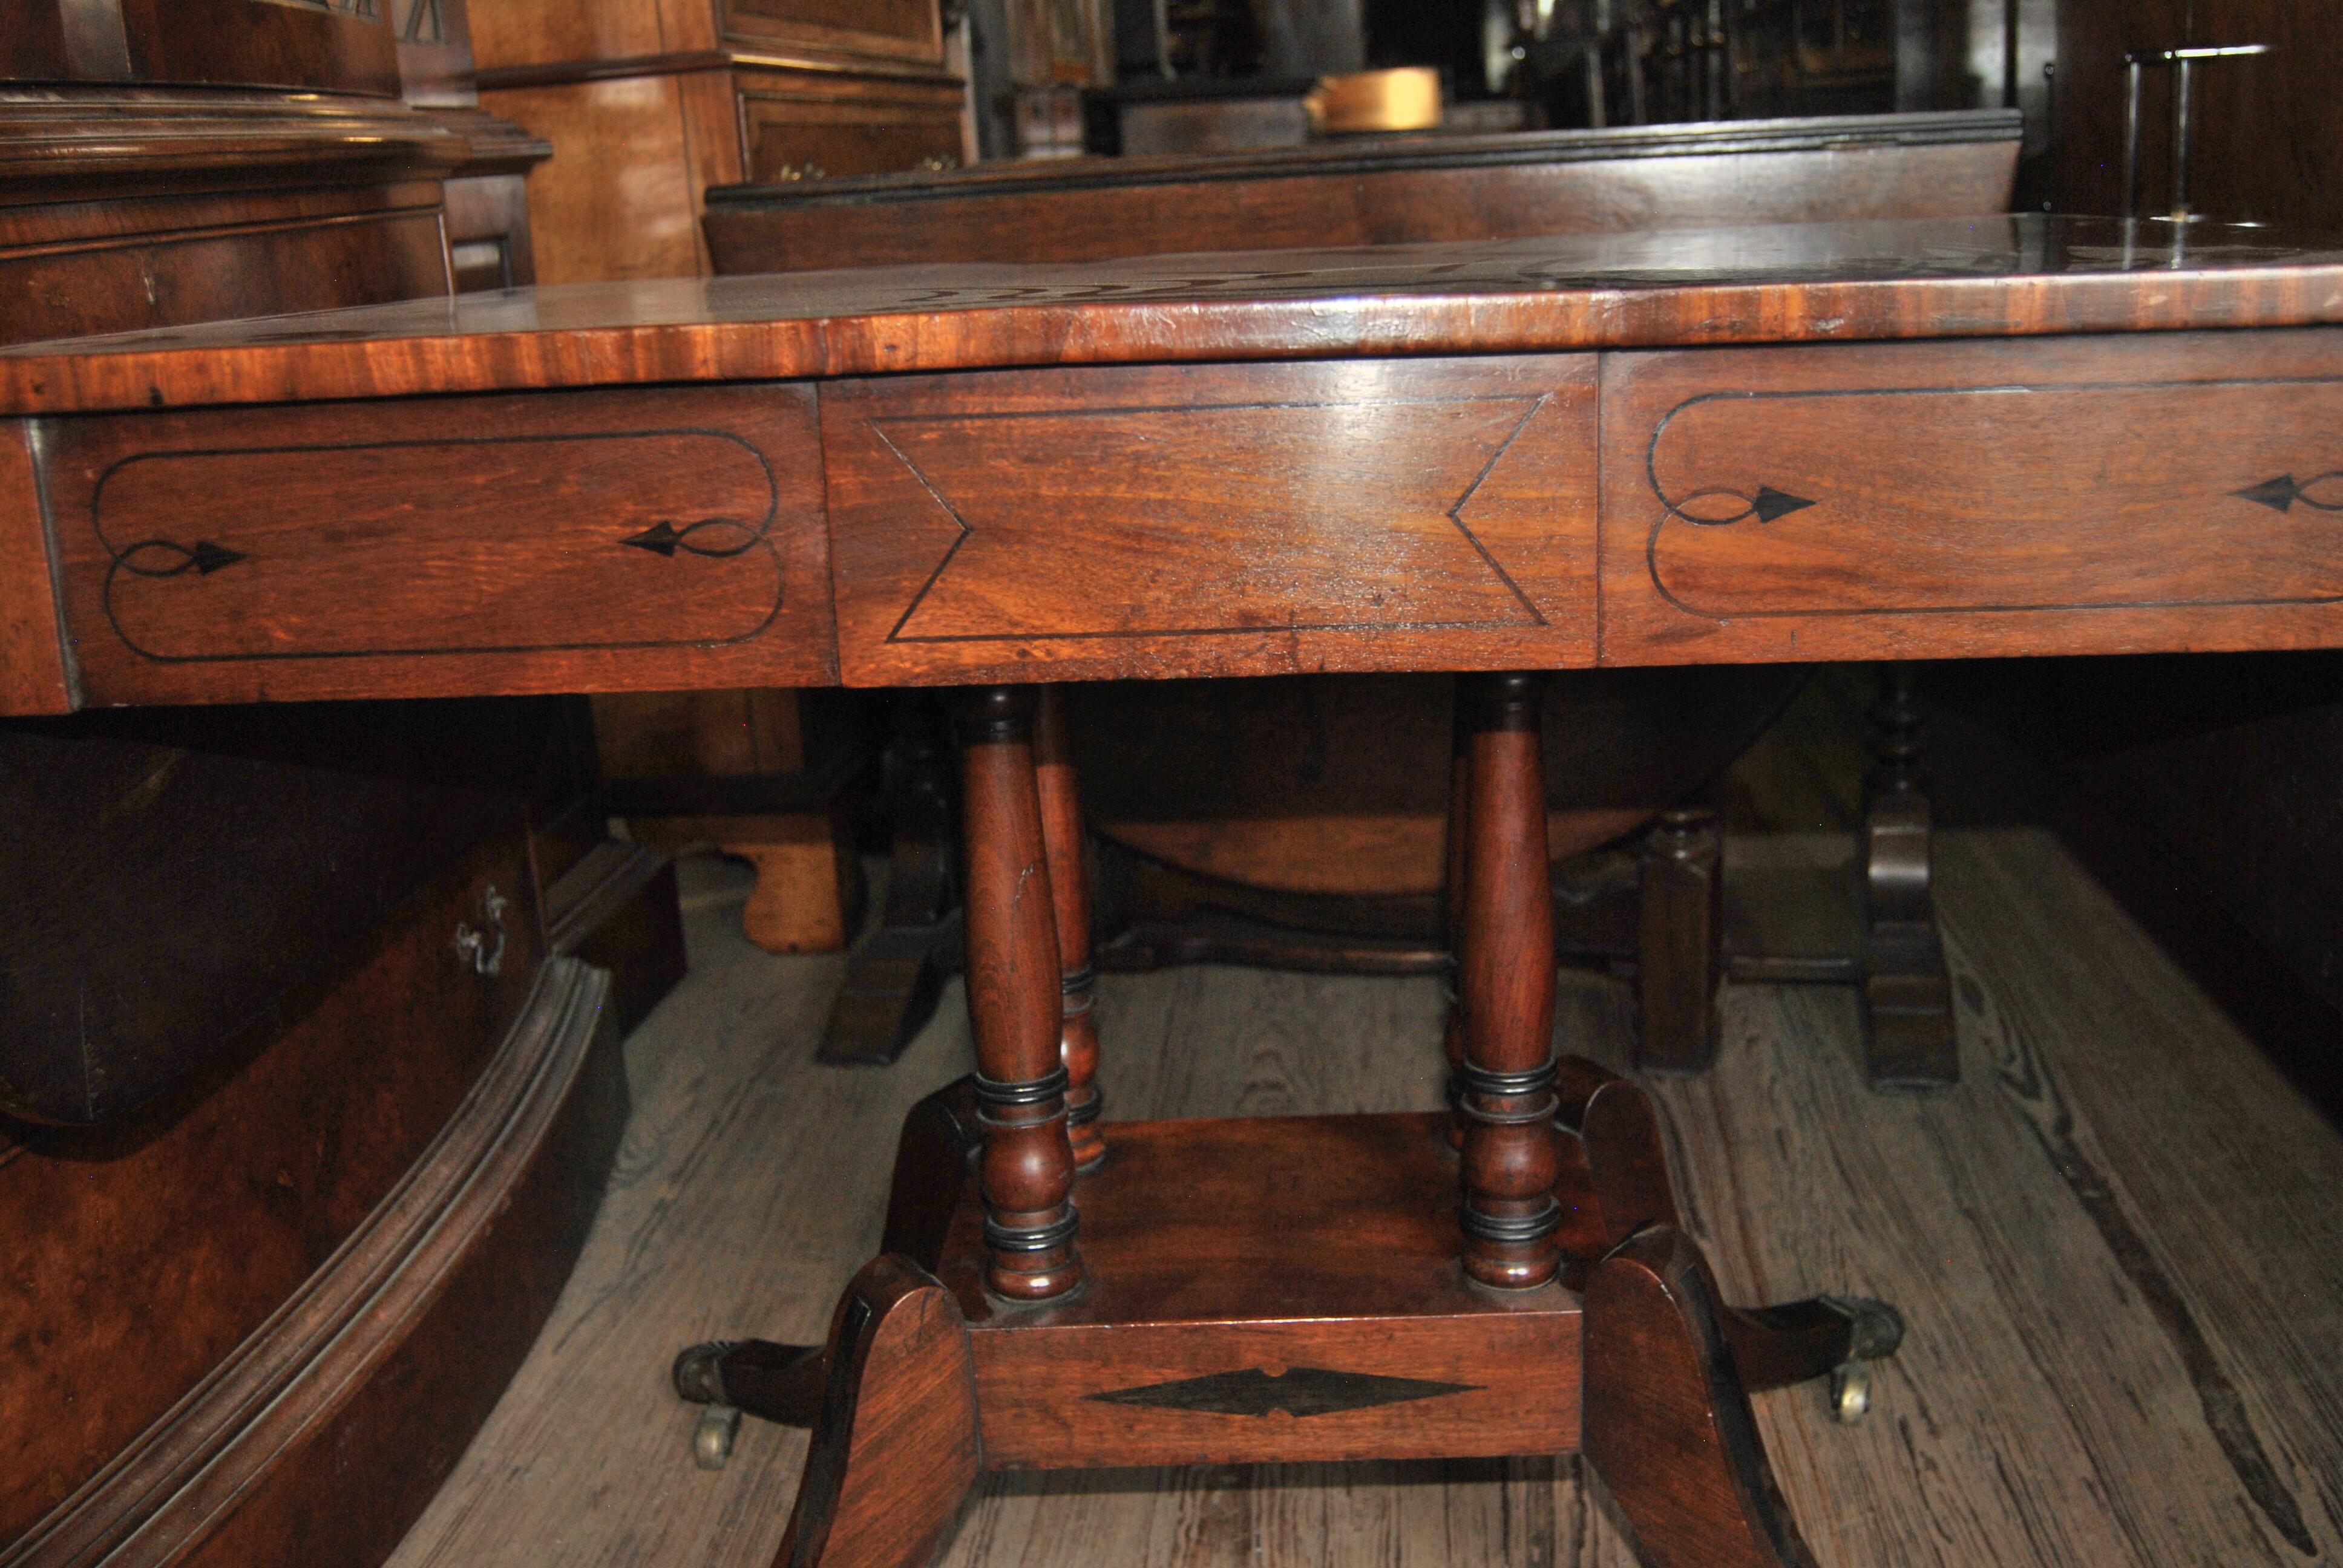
point(1070, 897)
point(1452, 915)
point(1027, 1167)
point(1505, 988)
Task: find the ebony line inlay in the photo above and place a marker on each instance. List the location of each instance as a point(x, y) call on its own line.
point(1297, 1390)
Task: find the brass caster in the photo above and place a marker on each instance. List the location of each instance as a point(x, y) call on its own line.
point(1850, 1393)
point(711, 1441)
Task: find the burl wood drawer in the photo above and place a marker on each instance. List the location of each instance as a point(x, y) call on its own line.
point(1214, 519)
point(2072, 495)
point(561, 542)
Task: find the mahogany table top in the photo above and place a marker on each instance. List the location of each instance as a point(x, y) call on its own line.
point(1988, 277)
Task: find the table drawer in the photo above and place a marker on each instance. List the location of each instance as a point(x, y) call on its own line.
point(2088, 495)
point(1214, 520)
point(575, 541)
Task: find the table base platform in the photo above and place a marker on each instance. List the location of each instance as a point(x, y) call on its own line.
point(1289, 1289)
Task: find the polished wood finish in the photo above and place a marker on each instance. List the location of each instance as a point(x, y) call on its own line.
point(1864, 545)
point(1138, 522)
point(2005, 277)
point(133, 206)
point(683, 95)
point(896, 1449)
point(1360, 810)
point(1356, 191)
point(1352, 191)
point(34, 675)
point(1671, 1386)
point(795, 129)
point(1190, 1235)
point(1668, 1423)
point(758, 1175)
point(390, 1358)
point(568, 541)
point(1015, 1010)
point(151, 1249)
point(1504, 991)
point(1065, 843)
point(130, 972)
point(585, 227)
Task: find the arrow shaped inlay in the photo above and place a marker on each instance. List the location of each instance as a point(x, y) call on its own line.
point(2280, 494)
point(1297, 1390)
point(209, 557)
point(1771, 503)
point(660, 536)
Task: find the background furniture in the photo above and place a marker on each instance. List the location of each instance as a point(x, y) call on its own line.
point(651, 101)
point(308, 1014)
point(647, 103)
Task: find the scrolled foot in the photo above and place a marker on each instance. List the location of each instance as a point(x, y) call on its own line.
point(1667, 1420)
point(896, 1448)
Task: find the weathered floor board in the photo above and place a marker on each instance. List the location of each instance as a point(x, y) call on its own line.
point(2119, 1242)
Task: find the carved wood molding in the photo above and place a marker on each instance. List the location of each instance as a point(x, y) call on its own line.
point(241, 1439)
point(124, 134)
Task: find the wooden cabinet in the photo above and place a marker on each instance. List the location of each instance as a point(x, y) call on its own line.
point(650, 103)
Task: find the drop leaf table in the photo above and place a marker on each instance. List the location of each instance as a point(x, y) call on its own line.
point(2001, 436)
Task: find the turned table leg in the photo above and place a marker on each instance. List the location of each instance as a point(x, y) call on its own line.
point(1015, 986)
point(1505, 987)
point(1460, 776)
point(1680, 942)
point(1070, 893)
point(1907, 1000)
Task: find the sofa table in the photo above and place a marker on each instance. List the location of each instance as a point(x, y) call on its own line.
point(2005, 437)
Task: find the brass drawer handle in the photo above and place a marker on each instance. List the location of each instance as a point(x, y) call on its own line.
point(474, 946)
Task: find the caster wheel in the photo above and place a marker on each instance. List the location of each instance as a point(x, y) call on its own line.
point(711, 1441)
point(1850, 1393)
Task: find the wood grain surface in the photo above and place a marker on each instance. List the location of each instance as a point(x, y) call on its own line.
point(34, 676)
point(1365, 1341)
point(1214, 521)
point(1986, 277)
point(498, 545)
point(2091, 495)
point(386, 1359)
point(2117, 1242)
point(149, 1251)
point(1377, 190)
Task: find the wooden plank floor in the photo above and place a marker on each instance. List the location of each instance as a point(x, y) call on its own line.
point(2120, 1243)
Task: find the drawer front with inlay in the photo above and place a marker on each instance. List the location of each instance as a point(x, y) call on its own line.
point(1214, 520)
point(577, 541)
point(2053, 496)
